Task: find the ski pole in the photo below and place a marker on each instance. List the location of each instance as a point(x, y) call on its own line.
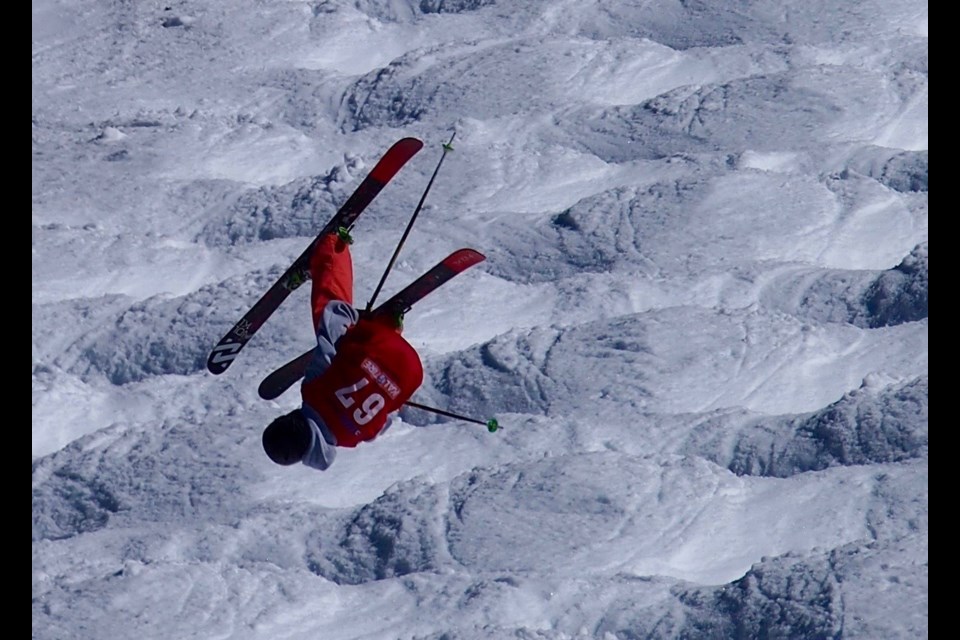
point(446, 147)
point(492, 425)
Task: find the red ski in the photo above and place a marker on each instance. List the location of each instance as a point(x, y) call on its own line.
point(223, 354)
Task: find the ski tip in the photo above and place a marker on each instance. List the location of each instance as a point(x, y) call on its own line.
point(397, 156)
point(221, 357)
point(412, 145)
point(267, 392)
point(463, 258)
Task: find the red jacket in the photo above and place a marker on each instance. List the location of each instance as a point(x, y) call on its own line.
point(373, 373)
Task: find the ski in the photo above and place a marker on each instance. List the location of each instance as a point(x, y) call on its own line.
point(226, 350)
point(281, 379)
point(457, 262)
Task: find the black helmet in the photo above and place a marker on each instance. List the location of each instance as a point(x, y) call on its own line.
point(286, 439)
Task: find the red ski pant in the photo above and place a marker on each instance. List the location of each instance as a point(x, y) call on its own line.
point(331, 274)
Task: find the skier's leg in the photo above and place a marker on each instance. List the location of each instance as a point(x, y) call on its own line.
point(331, 273)
point(392, 322)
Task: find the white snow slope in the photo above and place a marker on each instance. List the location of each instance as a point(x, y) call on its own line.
point(702, 320)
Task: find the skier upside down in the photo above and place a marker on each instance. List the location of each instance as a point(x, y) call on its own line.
point(362, 369)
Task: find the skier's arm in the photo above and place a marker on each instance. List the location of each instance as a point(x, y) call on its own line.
point(337, 317)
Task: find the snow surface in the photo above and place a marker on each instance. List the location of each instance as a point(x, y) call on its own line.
point(702, 320)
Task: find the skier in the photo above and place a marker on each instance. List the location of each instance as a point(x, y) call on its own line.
point(362, 369)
